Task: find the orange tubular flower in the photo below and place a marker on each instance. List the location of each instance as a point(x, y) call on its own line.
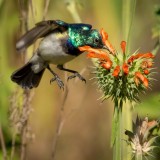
point(104, 35)
point(92, 55)
point(101, 56)
point(144, 55)
point(95, 53)
point(140, 76)
point(106, 65)
point(123, 46)
point(125, 68)
point(131, 59)
point(116, 71)
point(88, 49)
point(145, 82)
point(106, 42)
point(84, 48)
point(140, 55)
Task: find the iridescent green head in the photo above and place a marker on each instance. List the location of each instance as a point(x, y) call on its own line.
point(82, 37)
point(93, 39)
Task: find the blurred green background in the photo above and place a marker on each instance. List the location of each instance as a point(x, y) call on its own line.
point(86, 130)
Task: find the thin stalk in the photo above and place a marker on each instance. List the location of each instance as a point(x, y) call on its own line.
point(61, 120)
point(4, 150)
point(71, 6)
point(127, 124)
point(46, 9)
point(13, 146)
point(128, 10)
point(24, 10)
point(25, 108)
point(23, 144)
point(116, 131)
point(62, 117)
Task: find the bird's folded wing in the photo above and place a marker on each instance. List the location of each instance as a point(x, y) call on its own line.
point(40, 30)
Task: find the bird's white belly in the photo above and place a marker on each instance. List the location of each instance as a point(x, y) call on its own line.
point(50, 50)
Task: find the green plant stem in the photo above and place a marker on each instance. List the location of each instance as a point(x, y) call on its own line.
point(128, 10)
point(127, 124)
point(116, 131)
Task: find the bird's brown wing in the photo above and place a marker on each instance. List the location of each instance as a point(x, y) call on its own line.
point(40, 30)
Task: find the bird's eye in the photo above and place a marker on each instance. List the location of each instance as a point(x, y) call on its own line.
point(96, 40)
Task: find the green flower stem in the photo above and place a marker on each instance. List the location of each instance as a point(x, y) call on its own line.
point(127, 124)
point(128, 10)
point(116, 131)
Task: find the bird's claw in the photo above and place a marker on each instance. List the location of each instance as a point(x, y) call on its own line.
point(59, 82)
point(76, 75)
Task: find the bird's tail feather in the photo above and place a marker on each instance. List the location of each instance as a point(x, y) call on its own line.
point(26, 78)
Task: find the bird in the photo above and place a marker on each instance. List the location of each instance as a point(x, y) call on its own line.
point(59, 44)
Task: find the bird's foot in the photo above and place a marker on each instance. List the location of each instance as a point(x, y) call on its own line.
point(76, 74)
point(59, 81)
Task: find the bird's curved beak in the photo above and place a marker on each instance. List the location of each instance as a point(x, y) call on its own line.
point(105, 47)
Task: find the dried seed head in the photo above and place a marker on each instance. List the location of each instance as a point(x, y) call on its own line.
point(142, 138)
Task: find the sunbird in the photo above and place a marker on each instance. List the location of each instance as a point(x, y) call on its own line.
point(59, 44)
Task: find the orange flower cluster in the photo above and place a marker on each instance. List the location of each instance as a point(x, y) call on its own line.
point(107, 60)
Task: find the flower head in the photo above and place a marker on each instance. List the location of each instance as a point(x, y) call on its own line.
point(120, 75)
